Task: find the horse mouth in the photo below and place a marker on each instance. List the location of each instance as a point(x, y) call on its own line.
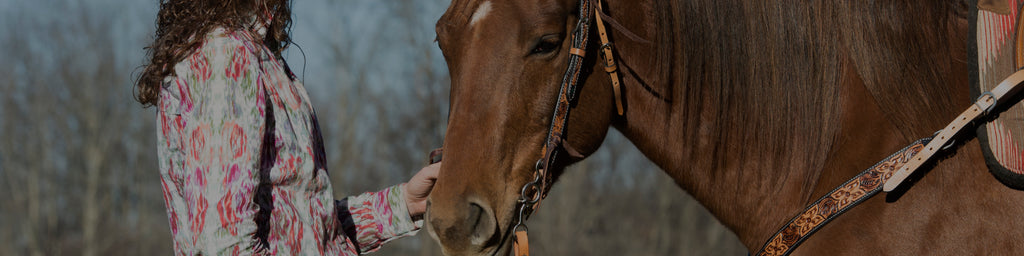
point(505, 247)
point(482, 241)
point(505, 243)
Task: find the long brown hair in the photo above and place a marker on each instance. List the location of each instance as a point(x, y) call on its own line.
point(181, 25)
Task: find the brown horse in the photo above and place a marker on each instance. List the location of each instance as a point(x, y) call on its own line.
point(756, 108)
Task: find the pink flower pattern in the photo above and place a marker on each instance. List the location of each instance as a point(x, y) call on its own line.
point(212, 118)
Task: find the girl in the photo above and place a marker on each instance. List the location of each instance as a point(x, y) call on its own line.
point(240, 151)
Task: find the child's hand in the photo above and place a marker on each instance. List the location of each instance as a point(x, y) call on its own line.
point(418, 189)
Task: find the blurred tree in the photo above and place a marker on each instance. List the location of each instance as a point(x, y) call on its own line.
point(78, 145)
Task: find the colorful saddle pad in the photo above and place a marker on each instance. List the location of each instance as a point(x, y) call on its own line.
point(997, 52)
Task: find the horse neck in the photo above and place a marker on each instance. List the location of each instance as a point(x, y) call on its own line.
point(755, 121)
point(737, 171)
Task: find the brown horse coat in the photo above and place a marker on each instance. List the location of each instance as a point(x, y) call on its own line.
point(756, 108)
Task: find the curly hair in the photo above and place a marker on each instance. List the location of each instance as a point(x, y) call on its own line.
point(181, 25)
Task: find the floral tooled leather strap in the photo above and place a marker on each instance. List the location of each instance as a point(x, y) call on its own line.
point(888, 174)
point(846, 196)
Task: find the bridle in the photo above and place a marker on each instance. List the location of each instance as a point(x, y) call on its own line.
point(536, 190)
point(886, 175)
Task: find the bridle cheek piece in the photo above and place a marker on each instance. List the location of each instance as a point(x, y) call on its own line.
point(536, 190)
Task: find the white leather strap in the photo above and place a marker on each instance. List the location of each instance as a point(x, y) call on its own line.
point(1008, 87)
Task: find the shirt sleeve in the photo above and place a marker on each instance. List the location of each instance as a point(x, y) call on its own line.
point(377, 218)
point(221, 124)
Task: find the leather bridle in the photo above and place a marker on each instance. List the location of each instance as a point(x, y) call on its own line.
point(536, 190)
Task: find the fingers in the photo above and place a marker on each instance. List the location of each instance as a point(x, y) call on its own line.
point(418, 189)
point(431, 171)
point(423, 182)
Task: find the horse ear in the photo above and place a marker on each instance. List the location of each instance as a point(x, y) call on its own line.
point(996, 6)
point(435, 156)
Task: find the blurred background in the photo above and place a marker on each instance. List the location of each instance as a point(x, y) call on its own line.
point(78, 169)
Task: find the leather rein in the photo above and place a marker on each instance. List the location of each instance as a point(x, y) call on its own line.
point(886, 175)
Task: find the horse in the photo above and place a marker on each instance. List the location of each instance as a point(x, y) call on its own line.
point(756, 108)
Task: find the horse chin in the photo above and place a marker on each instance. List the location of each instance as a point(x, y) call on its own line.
point(502, 249)
point(504, 241)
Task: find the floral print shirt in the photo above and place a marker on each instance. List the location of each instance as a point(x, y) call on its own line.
point(228, 99)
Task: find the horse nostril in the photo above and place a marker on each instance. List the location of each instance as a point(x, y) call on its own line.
point(482, 223)
point(474, 215)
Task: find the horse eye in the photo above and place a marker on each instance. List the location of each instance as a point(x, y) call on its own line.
point(544, 47)
point(546, 44)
